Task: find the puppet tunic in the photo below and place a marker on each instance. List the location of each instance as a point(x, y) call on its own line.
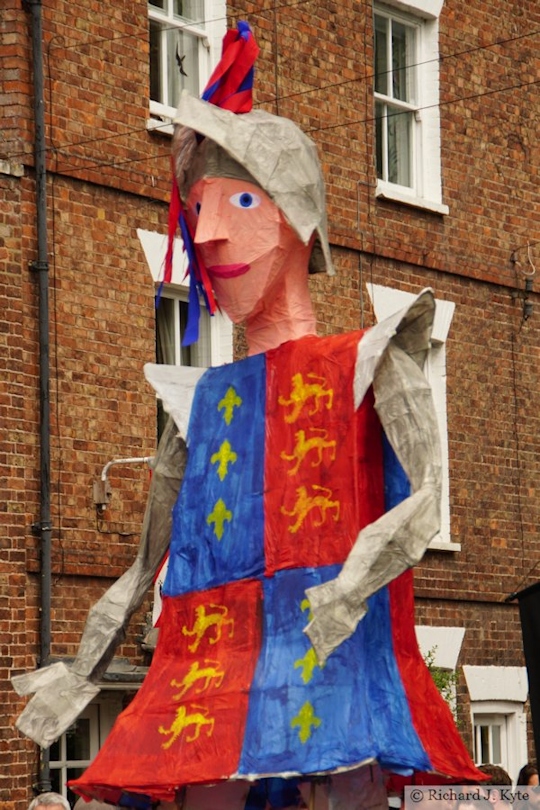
point(283, 472)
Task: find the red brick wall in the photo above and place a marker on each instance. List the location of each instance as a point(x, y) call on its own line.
point(107, 176)
point(18, 450)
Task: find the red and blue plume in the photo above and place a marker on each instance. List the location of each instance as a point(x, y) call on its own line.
point(229, 87)
point(231, 84)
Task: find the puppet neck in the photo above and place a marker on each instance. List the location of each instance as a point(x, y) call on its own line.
point(289, 314)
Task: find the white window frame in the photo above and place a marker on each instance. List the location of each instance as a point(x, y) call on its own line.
point(386, 301)
point(498, 696)
point(394, 107)
point(491, 723)
point(101, 713)
point(215, 345)
point(201, 351)
point(510, 718)
point(426, 189)
point(209, 34)
point(63, 764)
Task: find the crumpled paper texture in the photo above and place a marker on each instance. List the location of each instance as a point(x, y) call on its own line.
point(398, 539)
point(291, 176)
point(61, 693)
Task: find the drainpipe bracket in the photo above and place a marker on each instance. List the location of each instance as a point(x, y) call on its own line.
point(39, 266)
point(37, 529)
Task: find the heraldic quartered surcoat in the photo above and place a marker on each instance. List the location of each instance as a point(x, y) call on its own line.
point(283, 472)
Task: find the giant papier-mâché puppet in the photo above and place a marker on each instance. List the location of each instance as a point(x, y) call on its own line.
point(311, 487)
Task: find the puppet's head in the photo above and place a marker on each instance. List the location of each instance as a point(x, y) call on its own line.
point(221, 136)
point(265, 149)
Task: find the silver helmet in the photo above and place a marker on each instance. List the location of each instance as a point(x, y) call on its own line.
point(267, 149)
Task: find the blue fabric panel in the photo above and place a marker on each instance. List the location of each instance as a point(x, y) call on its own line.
point(310, 720)
point(217, 534)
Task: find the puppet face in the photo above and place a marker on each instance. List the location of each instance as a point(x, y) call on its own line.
point(244, 241)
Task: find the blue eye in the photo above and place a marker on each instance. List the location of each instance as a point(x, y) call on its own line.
point(245, 199)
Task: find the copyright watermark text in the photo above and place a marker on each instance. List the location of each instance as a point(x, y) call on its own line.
point(471, 797)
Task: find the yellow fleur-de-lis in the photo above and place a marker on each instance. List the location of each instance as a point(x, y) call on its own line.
point(307, 664)
point(218, 516)
point(224, 456)
point(230, 401)
point(306, 720)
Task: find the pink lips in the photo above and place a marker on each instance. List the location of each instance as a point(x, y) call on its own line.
point(228, 270)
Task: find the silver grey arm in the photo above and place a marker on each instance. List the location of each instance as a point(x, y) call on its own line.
point(398, 539)
point(61, 692)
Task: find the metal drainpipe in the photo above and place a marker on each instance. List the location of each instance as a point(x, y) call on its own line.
point(41, 267)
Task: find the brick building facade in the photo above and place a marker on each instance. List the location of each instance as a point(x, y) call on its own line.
point(470, 230)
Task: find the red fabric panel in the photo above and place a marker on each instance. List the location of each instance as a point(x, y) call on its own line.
point(431, 716)
point(194, 699)
point(323, 460)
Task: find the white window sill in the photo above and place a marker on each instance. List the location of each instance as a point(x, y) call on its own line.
point(161, 118)
point(156, 125)
point(394, 193)
point(437, 544)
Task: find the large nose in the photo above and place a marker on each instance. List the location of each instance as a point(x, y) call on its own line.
point(211, 222)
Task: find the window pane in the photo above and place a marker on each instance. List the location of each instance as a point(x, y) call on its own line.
point(192, 10)
point(78, 740)
point(399, 147)
point(165, 343)
point(157, 3)
point(171, 322)
point(381, 60)
point(59, 778)
point(56, 780)
point(491, 735)
point(183, 64)
point(401, 61)
point(496, 745)
point(186, 352)
point(156, 93)
point(485, 755)
point(54, 751)
point(73, 773)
